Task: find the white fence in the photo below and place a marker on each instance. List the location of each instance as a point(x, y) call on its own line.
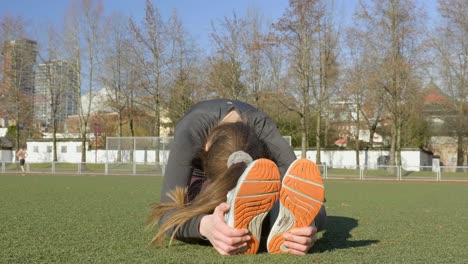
point(153, 149)
point(118, 149)
point(148, 156)
point(411, 159)
point(394, 173)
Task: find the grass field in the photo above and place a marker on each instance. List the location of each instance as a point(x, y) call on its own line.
point(100, 219)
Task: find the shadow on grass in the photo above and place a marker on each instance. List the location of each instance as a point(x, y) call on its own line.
point(337, 235)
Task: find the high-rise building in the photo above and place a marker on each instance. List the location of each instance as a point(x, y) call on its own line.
point(56, 92)
point(19, 60)
point(17, 84)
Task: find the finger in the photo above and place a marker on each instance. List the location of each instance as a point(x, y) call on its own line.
point(228, 235)
point(221, 209)
point(240, 239)
point(222, 252)
point(303, 231)
point(223, 248)
point(240, 245)
point(228, 231)
point(295, 247)
point(231, 249)
point(302, 240)
point(235, 233)
point(239, 250)
point(231, 243)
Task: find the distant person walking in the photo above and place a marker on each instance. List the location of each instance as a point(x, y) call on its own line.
point(22, 154)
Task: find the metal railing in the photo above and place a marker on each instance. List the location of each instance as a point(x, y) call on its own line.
point(352, 172)
point(120, 168)
point(398, 173)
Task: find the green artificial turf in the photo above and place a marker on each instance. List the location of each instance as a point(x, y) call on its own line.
point(100, 219)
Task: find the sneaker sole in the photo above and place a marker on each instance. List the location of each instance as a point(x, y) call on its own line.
point(301, 198)
point(257, 191)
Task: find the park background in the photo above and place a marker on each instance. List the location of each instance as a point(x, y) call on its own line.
point(353, 75)
point(347, 77)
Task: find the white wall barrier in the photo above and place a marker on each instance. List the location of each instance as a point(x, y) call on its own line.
point(410, 159)
point(381, 172)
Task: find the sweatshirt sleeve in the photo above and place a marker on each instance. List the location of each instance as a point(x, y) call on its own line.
point(190, 134)
point(188, 139)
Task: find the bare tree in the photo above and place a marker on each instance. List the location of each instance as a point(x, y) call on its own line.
point(328, 71)
point(275, 58)
point(153, 40)
point(183, 64)
point(83, 39)
point(361, 87)
point(56, 90)
point(12, 74)
point(451, 45)
point(11, 28)
point(17, 84)
point(297, 29)
point(115, 72)
point(307, 32)
point(395, 27)
point(253, 45)
point(135, 77)
point(226, 65)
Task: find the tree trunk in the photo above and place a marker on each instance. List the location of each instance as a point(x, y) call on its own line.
point(317, 137)
point(54, 140)
point(119, 152)
point(83, 146)
point(356, 148)
point(392, 146)
point(460, 156)
point(398, 145)
point(303, 137)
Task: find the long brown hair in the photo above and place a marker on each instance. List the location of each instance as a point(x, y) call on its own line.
point(223, 140)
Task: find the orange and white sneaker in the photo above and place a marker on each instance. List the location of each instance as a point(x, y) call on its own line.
point(301, 198)
point(256, 192)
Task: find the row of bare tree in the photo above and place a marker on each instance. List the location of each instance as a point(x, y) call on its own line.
point(295, 68)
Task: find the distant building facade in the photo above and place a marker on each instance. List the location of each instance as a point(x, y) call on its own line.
point(442, 117)
point(19, 60)
point(343, 116)
point(18, 64)
point(56, 92)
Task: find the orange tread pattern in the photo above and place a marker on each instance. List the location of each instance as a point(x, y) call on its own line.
point(302, 207)
point(257, 194)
